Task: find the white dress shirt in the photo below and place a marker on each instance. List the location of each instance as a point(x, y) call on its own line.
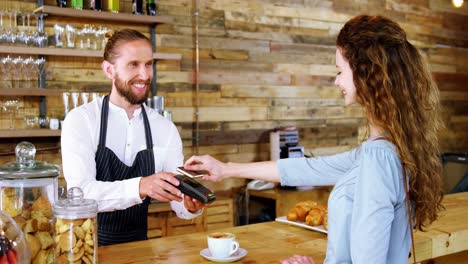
point(125, 137)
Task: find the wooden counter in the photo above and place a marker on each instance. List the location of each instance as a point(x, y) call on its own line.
point(271, 241)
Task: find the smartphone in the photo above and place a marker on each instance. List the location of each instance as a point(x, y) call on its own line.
point(195, 189)
point(191, 174)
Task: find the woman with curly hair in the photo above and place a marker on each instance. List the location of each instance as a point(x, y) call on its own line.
point(399, 162)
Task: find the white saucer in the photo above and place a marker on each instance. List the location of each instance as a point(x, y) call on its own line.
point(236, 256)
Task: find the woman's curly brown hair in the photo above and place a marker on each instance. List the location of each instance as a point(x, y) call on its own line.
point(395, 87)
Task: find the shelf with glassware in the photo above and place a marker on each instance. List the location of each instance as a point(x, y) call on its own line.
point(102, 15)
point(74, 52)
point(29, 92)
point(28, 133)
point(41, 49)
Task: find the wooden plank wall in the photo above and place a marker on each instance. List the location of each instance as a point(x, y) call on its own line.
point(266, 64)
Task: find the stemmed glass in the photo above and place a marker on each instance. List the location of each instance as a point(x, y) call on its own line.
point(17, 66)
point(28, 68)
point(40, 35)
point(10, 106)
point(21, 36)
point(29, 34)
point(5, 66)
point(11, 32)
point(40, 68)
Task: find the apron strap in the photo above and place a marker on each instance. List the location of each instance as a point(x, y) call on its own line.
point(104, 114)
point(149, 138)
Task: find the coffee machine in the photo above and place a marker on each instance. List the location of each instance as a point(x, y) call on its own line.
point(284, 144)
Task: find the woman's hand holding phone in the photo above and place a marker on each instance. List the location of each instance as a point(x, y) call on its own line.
point(213, 167)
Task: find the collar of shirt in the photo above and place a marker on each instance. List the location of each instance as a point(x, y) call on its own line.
point(120, 111)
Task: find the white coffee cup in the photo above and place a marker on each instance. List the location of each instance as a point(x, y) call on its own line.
point(222, 244)
point(54, 123)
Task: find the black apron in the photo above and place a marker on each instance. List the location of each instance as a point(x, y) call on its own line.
point(131, 224)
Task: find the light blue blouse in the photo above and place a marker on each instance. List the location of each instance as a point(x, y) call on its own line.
point(367, 215)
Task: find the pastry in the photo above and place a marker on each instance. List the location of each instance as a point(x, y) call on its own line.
point(315, 215)
point(300, 210)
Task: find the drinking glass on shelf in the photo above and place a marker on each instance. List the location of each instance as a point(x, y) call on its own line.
point(102, 36)
point(59, 32)
point(65, 103)
point(80, 39)
point(31, 121)
point(28, 68)
point(88, 35)
point(30, 35)
point(5, 66)
point(75, 96)
point(95, 96)
point(40, 35)
point(17, 67)
point(10, 106)
point(84, 98)
point(40, 68)
point(21, 36)
point(71, 33)
point(11, 34)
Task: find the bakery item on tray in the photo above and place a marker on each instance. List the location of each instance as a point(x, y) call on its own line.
point(316, 215)
point(300, 210)
point(309, 212)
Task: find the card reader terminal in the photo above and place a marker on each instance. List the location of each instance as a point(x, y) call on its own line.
point(195, 189)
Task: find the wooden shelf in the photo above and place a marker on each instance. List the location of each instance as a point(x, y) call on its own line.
point(29, 92)
point(74, 52)
point(103, 15)
point(18, 133)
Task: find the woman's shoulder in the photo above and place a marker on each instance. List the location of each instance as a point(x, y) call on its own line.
point(379, 149)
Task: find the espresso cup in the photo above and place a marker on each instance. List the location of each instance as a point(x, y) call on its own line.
point(222, 244)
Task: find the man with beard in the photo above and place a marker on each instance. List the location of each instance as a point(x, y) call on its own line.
point(122, 153)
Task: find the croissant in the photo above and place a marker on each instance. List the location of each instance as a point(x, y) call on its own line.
point(316, 215)
point(300, 210)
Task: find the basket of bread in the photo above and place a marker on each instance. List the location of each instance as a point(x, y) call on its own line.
point(308, 214)
point(28, 188)
point(76, 229)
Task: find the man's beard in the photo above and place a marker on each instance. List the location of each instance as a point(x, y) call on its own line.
point(125, 90)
